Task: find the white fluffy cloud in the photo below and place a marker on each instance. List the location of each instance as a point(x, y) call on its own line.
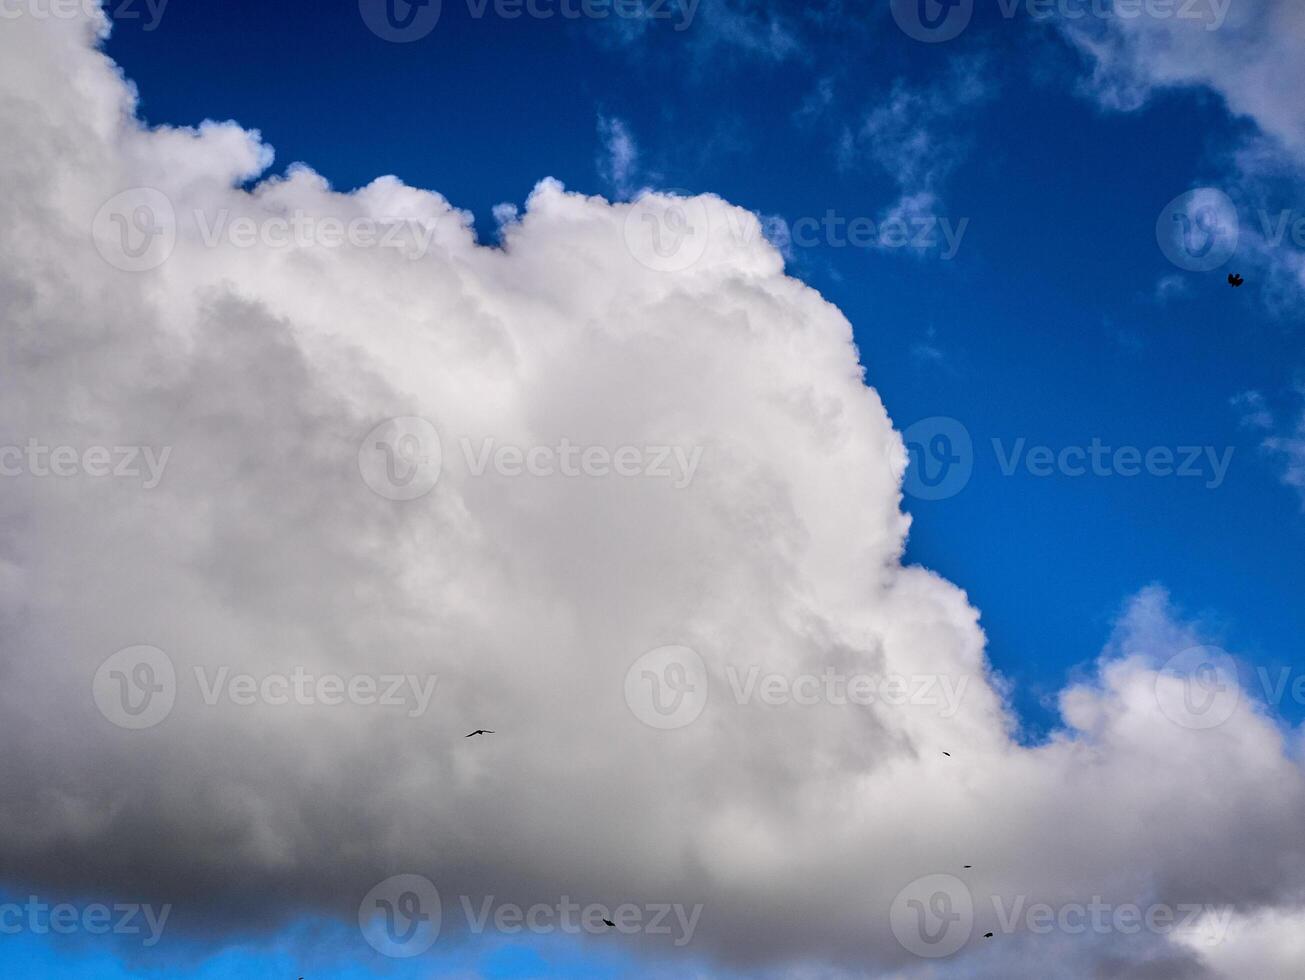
point(1248, 51)
point(262, 364)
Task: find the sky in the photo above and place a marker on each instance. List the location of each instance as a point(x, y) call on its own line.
point(993, 238)
point(1053, 296)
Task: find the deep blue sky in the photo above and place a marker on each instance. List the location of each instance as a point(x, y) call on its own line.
point(1044, 326)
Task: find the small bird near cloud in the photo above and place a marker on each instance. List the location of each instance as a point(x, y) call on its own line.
point(987, 935)
point(1235, 280)
point(609, 922)
point(479, 731)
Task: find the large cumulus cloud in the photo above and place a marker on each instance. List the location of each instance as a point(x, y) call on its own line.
point(262, 550)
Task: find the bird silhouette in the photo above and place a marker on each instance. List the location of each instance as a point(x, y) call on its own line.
point(479, 731)
point(1235, 280)
point(610, 923)
point(987, 935)
point(969, 865)
point(948, 754)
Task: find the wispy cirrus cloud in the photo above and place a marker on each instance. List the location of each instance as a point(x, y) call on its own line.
point(916, 136)
point(1284, 441)
point(618, 159)
point(1251, 55)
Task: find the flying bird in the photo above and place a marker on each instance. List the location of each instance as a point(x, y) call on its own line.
point(987, 935)
point(610, 923)
point(948, 754)
point(969, 865)
point(1235, 280)
point(479, 731)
